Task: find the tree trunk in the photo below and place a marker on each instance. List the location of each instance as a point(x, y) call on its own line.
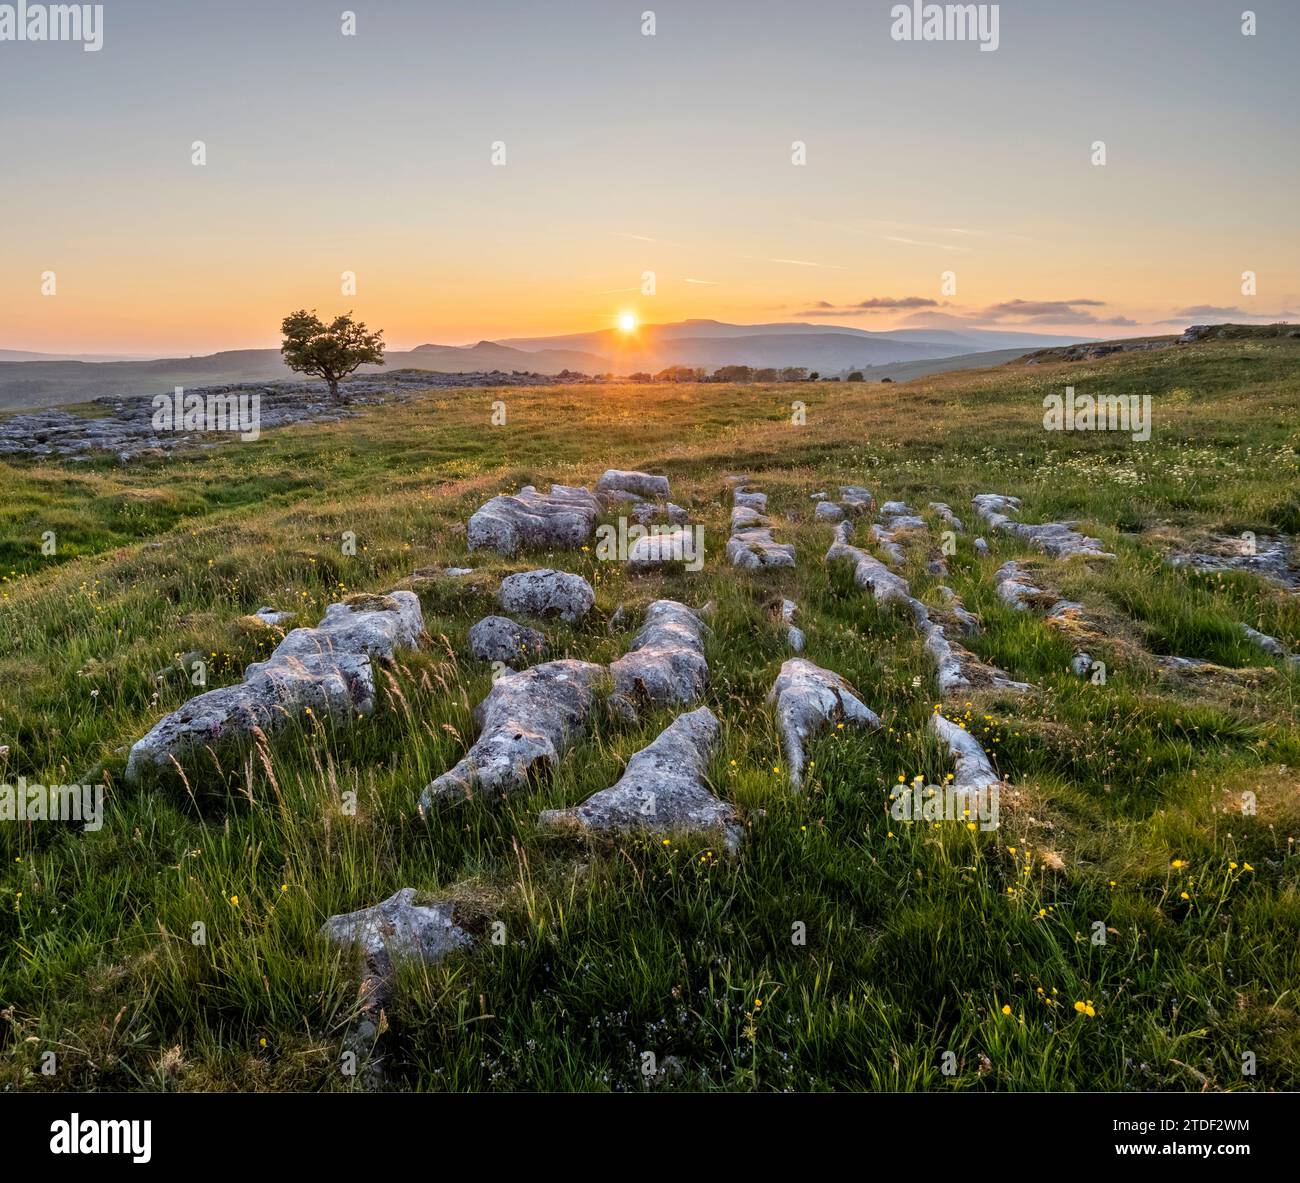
point(334, 388)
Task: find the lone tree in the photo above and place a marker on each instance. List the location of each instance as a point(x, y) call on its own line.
point(330, 353)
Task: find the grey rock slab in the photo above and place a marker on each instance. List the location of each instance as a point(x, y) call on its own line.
point(665, 665)
point(869, 572)
point(663, 545)
point(794, 636)
point(828, 511)
point(856, 499)
point(526, 722)
point(529, 520)
point(645, 512)
point(745, 518)
point(973, 770)
point(399, 929)
point(498, 638)
point(545, 592)
point(643, 484)
point(1057, 539)
point(944, 512)
point(755, 548)
point(326, 669)
point(809, 700)
point(1269, 556)
point(750, 498)
point(662, 790)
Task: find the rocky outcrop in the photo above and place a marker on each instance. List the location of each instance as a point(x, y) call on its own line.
point(1270, 645)
point(869, 572)
point(639, 484)
point(1273, 557)
point(398, 929)
point(973, 769)
point(1058, 539)
point(665, 665)
point(325, 671)
point(662, 790)
point(525, 724)
point(498, 638)
point(547, 593)
point(793, 634)
point(809, 700)
point(944, 512)
point(751, 545)
point(563, 518)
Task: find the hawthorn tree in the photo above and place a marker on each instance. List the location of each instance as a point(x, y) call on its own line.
point(333, 352)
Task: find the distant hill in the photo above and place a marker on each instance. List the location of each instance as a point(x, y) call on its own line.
point(36, 380)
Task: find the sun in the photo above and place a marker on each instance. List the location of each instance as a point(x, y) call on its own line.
point(627, 322)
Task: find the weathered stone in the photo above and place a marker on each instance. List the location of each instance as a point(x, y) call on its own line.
point(399, 929)
point(958, 668)
point(665, 665)
point(972, 770)
point(793, 634)
point(809, 700)
point(662, 790)
point(664, 545)
point(325, 670)
point(564, 517)
point(945, 514)
point(1057, 539)
point(525, 723)
point(498, 638)
point(1271, 557)
point(1270, 645)
point(751, 549)
point(1017, 590)
point(855, 499)
point(547, 593)
point(751, 499)
point(968, 624)
point(869, 572)
point(828, 511)
point(884, 539)
point(645, 512)
point(745, 518)
point(272, 617)
point(643, 484)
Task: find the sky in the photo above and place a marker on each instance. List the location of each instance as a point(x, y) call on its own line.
point(626, 154)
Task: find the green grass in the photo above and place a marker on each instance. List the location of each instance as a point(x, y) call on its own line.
point(917, 937)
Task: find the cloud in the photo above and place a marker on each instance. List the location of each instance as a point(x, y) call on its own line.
point(867, 307)
point(1040, 308)
point(1214, 312)
point(805, 263)
point(938, 246)
point(713, 283)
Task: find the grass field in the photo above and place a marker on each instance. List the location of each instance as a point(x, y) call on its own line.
point(921, 940)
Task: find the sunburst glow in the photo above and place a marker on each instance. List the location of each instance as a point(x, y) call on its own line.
point(627, 322)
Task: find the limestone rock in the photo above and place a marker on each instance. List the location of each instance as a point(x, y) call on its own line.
point(666, 664)
point(642, 484)
point(398, 929)
point(547, 593)
point(565, 518)
point(662, 790)
point(973, 769)
point(525, 723)
point(809, 700)
point(326, 669)
point(1057, 539)
point(498, 638)
point(752, 549)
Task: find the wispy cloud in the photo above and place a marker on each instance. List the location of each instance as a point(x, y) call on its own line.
point(876, 304)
